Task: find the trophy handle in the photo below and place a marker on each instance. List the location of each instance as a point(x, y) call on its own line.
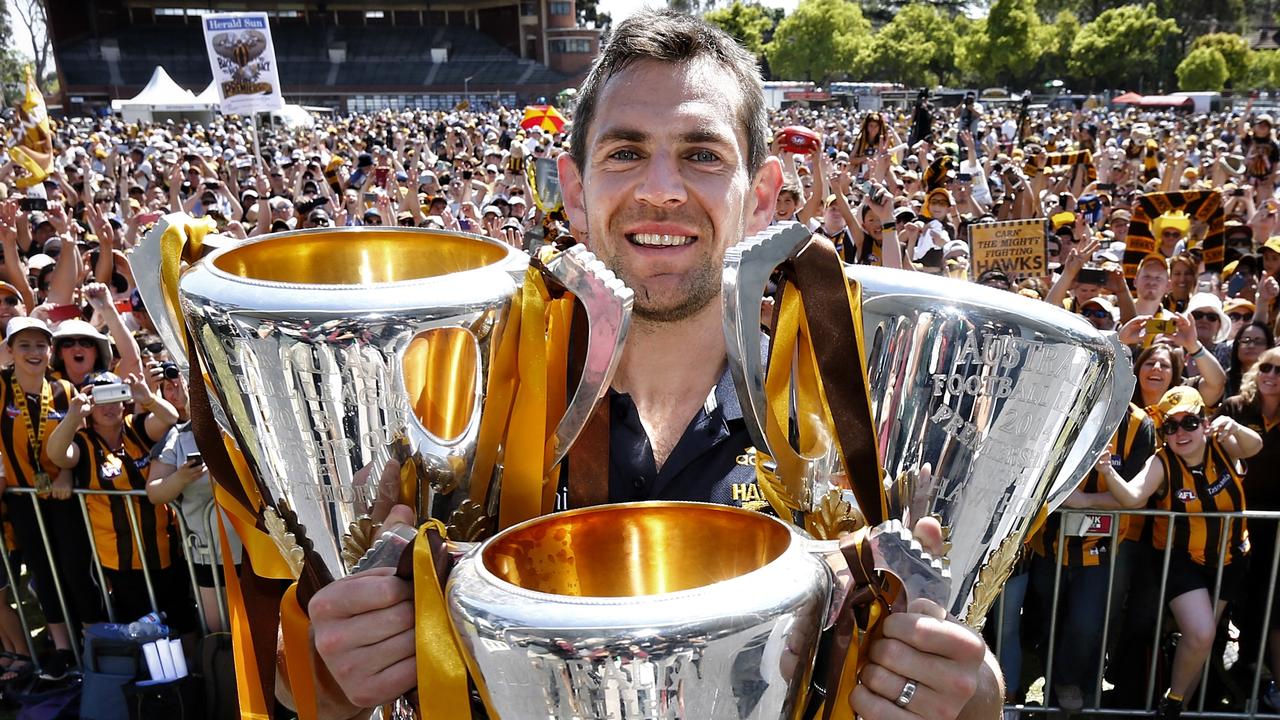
point(148, 262)
point(607, 302)
point(747, 267)
point(1109, 411)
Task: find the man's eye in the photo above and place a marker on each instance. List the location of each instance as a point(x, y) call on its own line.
point(704, 156)
point(625, 155)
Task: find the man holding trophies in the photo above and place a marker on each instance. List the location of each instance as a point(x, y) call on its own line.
point(668, 168)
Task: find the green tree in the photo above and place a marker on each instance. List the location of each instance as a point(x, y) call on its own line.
point(11, 62)
point(1264, 69)
point(1121, 48)
point(1056, 39)
point(1234, 50)
point(746, 23)
point(1203, 69)
point(821, 40)
point(917, 48)
point(1004, 47)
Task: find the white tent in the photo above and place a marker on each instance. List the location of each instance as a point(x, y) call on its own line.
point(163, 99)
point(209, 95)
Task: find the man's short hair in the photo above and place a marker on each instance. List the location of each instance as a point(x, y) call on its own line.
point(672, 37)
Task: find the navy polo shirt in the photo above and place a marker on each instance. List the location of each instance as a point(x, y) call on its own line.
point(704, 465)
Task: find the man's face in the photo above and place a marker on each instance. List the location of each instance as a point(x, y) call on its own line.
point(1084, 291)
point(1152, 282)
point(665, 189)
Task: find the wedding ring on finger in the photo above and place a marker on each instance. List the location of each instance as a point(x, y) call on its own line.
point(908, 692)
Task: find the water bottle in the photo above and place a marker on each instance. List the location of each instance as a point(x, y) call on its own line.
point(148, 628)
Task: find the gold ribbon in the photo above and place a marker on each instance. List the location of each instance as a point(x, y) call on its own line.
point(442, 671)
point(183, 240)
point(253, 703)
point(296, 631)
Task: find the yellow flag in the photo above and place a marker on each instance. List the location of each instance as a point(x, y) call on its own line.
point(33, 146)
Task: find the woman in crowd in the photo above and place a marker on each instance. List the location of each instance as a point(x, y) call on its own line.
point(1248, 346)
point(1160, 366)
point(34, 406)
point(1258, 408)
point(110, 449)
point(81, 351)
point(177, 474)
point(1197, 470)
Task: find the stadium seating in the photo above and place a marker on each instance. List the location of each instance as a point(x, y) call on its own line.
point(375, 57)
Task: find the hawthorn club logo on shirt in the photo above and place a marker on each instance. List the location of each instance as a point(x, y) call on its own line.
point(748, 496)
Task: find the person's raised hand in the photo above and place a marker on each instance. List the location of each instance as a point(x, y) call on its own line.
point(1185, 333)
point(363, 626)
point(1131, 332)
point(1268, 290)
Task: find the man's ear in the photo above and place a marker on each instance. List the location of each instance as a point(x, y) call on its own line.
point(575, 206)
point(762, 203)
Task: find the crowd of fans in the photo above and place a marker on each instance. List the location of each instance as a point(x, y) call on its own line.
point(898, 189)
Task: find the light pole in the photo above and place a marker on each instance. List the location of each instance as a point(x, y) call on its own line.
point(466, 88)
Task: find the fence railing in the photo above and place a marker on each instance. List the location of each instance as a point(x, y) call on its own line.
point(191, 543)
point(1258, 522)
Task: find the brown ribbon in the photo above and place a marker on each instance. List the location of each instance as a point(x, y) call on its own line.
point(819, 273)
point(589, 455)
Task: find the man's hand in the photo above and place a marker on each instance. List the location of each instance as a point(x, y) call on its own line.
point(363, 626)
point(944, 659)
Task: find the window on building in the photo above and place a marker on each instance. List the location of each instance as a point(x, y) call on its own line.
point(571, 45)
point(561, 8)
point(374, 14)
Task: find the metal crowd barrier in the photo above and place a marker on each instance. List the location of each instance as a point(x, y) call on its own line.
point(1258, 522)
point(191, 543)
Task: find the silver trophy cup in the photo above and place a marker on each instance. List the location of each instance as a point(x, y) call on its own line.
point(987, 405)
point(350, 365)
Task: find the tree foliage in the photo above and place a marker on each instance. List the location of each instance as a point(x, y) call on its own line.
point(1121, 48)
point(1264, 69)
point(917, 48)
point(821, 40)
point(1234, 50)
point(748, 24)
point(1003, 48)
point(11, 62)
point(1203, 69)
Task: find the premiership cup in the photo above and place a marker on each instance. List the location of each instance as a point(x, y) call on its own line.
point(350, 365)
point(988, 406)
point(645, 611)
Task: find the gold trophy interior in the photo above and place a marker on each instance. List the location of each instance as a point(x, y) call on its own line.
point(634, 550)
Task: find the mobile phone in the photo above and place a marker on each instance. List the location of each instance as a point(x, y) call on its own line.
point(466, 174)
point(380, 175)
point(189, 157)
point(64, 312)
point(195, 458)
point(964, 177)
point(113, 393)
point(148, 218)
point(124, 306)
point(1160, 326)
point(31, 204)
point(1092, 275)
point(212, 184)
point(1238, 192)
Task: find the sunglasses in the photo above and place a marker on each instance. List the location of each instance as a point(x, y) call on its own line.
point(1240, 316)
point(1188, 423)
point(1268, 368)
point(1199, 315)
point(1251, 341)
point(85, 343)
point(154, 348)
point(1095, 312)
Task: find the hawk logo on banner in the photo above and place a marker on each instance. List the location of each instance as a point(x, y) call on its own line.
point(243, 62)
point(32, 145)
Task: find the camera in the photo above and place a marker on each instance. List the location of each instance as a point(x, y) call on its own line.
point(111, 393)
point(1092, 275)
point(170, 369)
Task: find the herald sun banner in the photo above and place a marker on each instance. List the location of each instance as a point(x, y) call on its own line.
point(243, 62)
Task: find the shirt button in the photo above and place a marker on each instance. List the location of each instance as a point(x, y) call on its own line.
point(639, 482)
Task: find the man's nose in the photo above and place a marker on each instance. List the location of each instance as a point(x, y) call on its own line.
point(661, 184)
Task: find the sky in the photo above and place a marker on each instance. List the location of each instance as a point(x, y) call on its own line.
point(621, 9)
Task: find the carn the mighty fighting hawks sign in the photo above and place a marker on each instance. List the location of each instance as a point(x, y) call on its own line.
point(1015, 246)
